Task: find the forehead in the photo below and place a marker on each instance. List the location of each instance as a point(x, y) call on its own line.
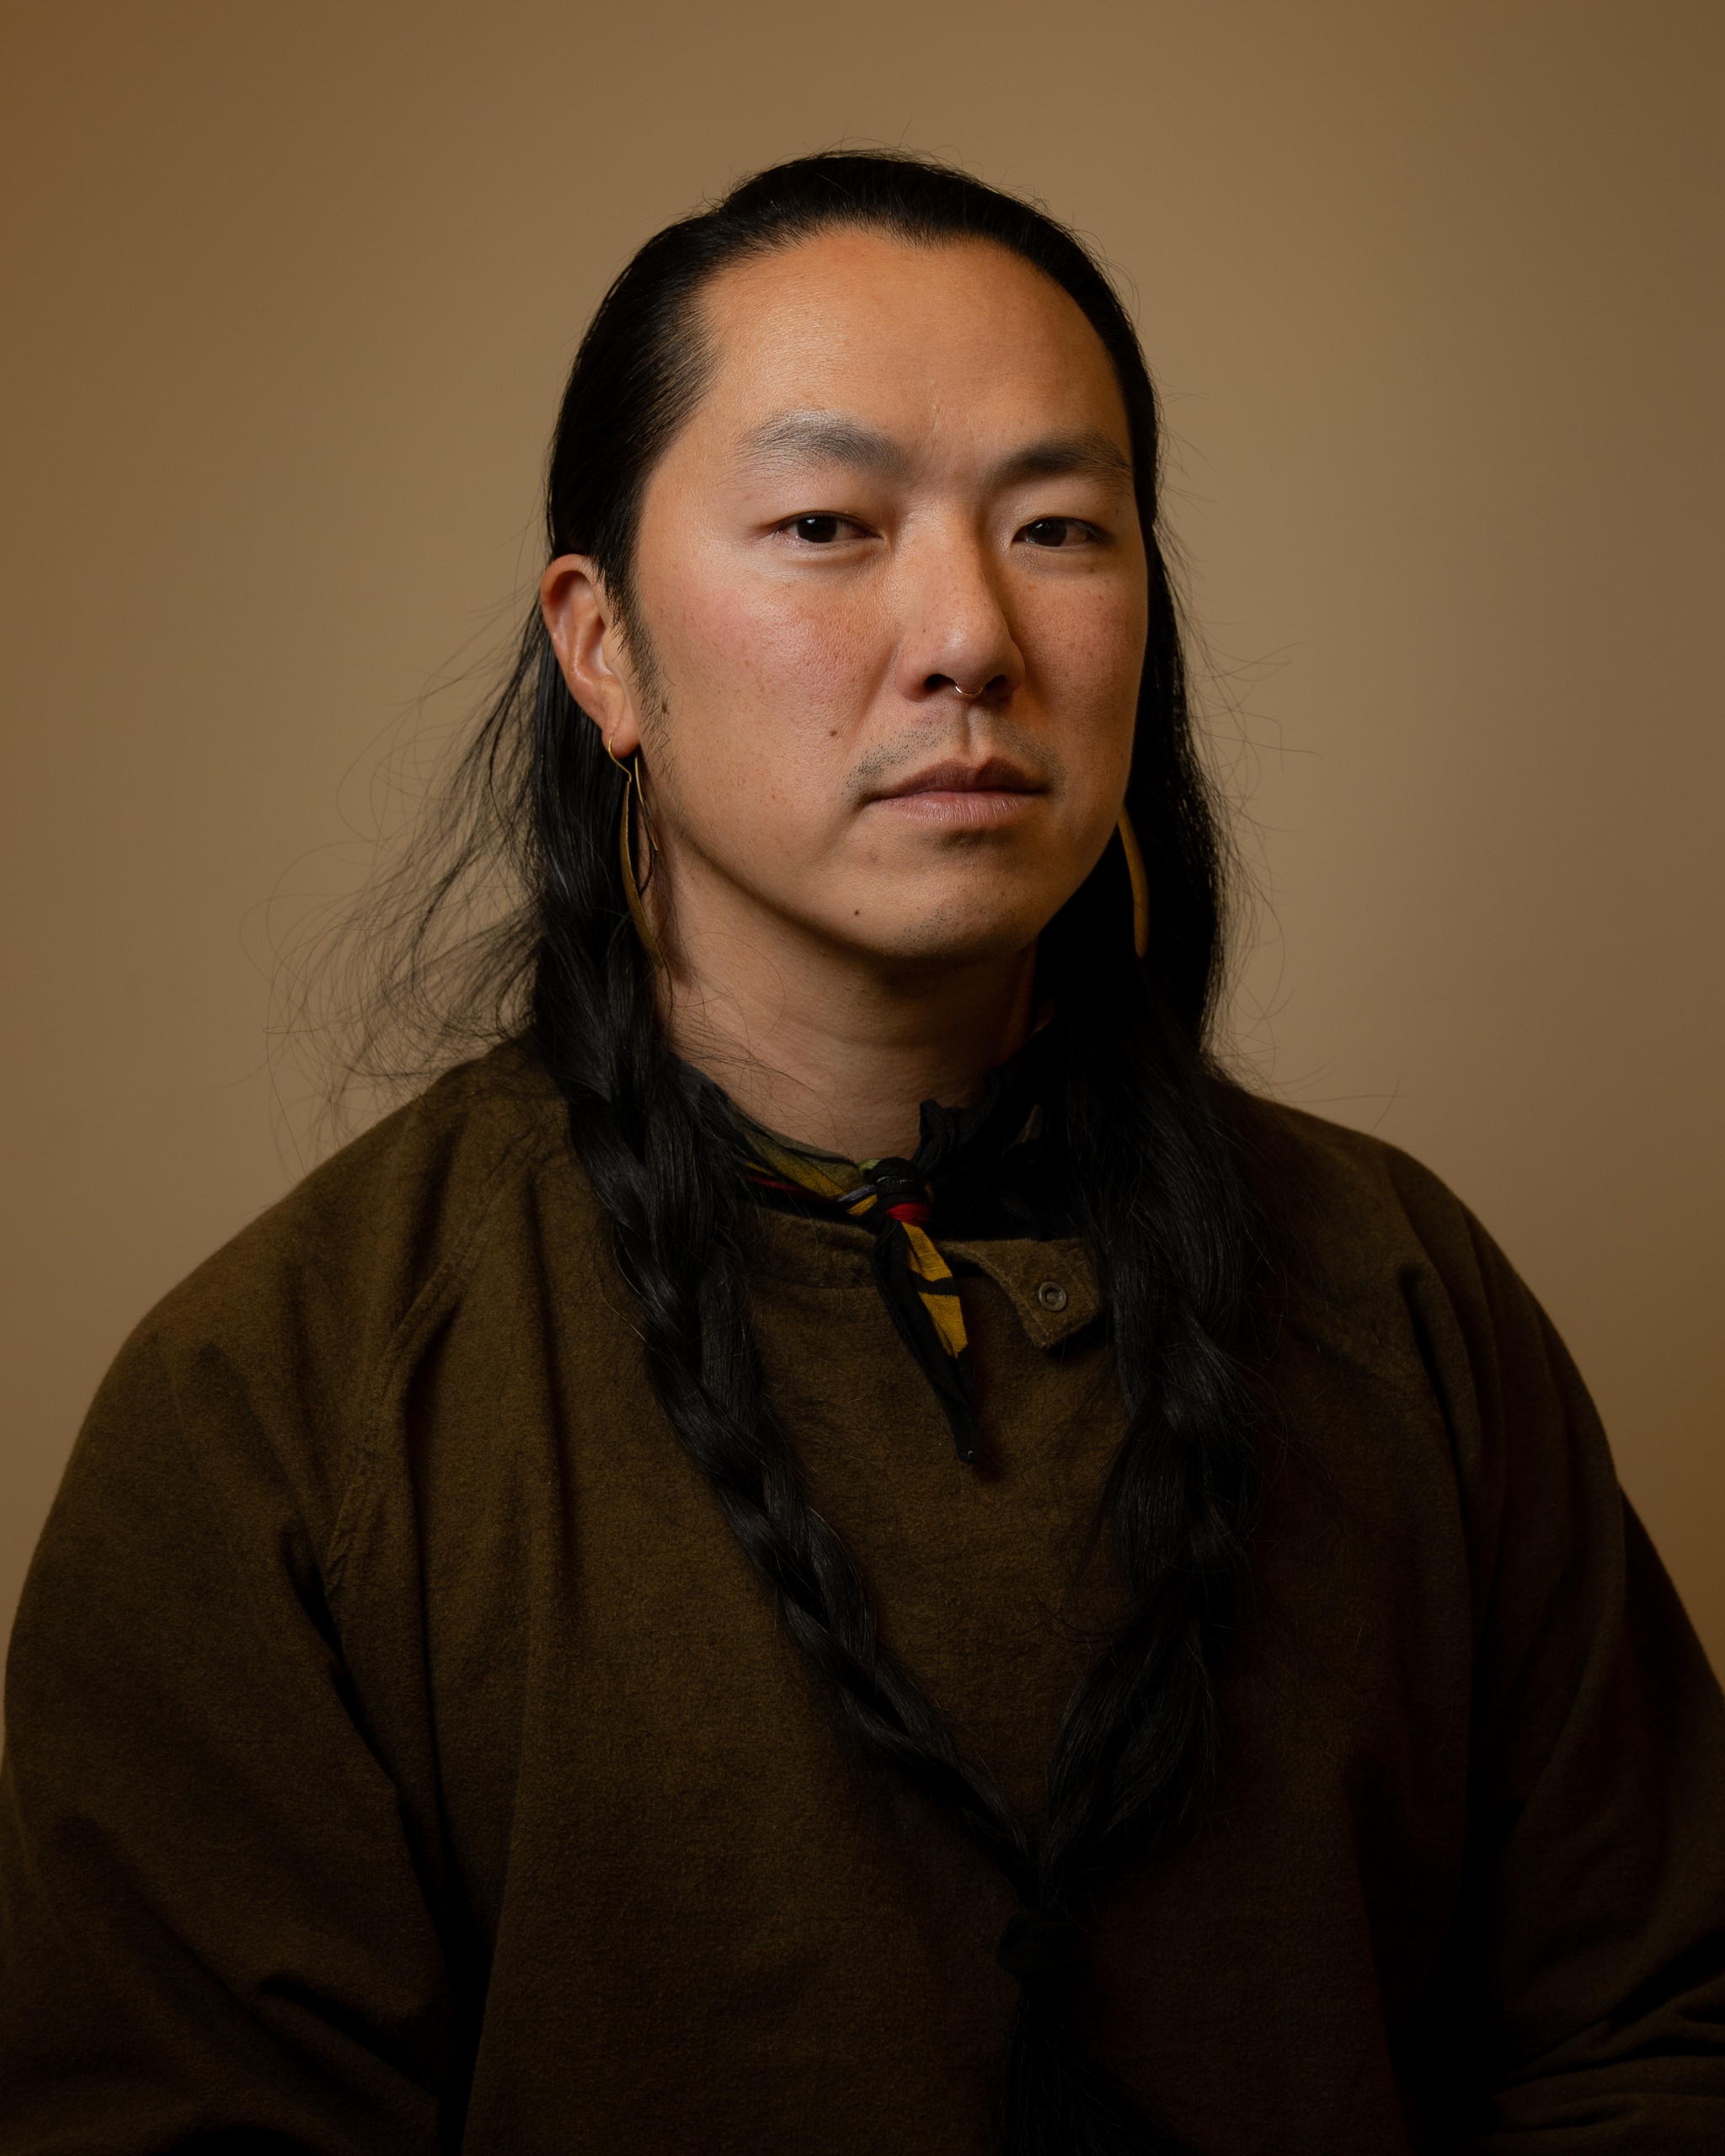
point(953, 342)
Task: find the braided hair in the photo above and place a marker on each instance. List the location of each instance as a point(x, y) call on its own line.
point(1151, 1153)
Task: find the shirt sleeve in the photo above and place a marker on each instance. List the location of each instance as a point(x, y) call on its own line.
point(212, 1933)
point(1585, 1985)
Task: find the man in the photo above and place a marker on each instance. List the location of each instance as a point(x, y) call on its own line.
point(840, 1546)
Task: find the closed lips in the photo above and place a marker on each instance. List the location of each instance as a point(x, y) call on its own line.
point(995, 776)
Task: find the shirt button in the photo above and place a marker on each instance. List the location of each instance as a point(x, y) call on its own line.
point(1051, 1296)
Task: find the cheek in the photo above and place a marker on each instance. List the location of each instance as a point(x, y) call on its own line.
point(769, 691)
point(1085, 649)
point(752, 667)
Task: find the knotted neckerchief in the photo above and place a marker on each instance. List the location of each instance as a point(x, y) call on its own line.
point(899, 1200)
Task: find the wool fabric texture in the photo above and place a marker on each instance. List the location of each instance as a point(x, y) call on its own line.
point(403, 1758)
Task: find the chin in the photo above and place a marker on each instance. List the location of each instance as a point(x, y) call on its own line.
point(953, 936)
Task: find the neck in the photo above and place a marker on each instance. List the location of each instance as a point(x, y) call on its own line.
point(833, 1048)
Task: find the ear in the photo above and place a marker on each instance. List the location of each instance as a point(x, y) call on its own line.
point(588, 639)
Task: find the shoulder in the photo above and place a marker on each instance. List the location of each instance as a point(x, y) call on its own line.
point(1355, 1191)
point(1411, 1348)
point(292, 1330)
point(1385, 1264)
point(375, 1226)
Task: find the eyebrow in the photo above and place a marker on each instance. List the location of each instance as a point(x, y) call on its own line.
point(794, 438)
point(824, 438)
point(1090, 455)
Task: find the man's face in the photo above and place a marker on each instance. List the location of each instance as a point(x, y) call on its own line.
point(891, 603)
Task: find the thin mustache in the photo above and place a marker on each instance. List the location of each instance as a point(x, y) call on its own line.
point(1033, 766)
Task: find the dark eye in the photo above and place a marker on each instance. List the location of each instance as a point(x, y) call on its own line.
point(1054, 531)
point(819, 531)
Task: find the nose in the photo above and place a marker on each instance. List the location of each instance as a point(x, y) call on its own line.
point(956, 638)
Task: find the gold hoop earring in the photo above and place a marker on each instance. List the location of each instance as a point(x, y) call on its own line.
point(1140, 884)
point(625, 851)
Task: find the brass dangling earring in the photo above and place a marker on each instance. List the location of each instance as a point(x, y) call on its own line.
point(626, 852)
point(1140, 884)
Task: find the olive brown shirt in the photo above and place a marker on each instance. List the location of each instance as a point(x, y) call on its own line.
point(402, 1755)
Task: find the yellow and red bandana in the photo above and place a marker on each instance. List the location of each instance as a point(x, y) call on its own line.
point(894, 1199)
point(962, 1171)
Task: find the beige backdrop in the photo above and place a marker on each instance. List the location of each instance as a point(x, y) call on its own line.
point(1434, 292)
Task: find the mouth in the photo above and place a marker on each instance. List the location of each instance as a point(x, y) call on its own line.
point(961, 795)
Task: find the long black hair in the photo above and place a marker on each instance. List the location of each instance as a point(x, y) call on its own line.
point(1151, 1149)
